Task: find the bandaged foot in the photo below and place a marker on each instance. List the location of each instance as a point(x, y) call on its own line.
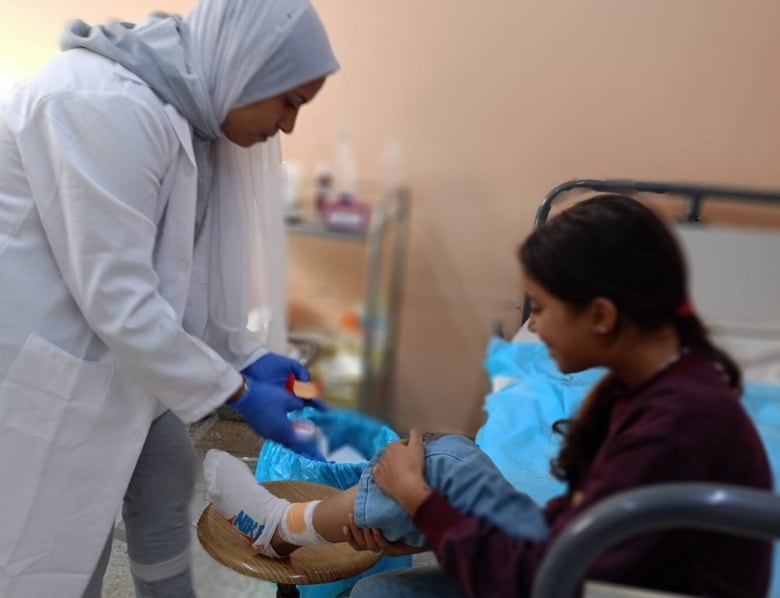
point(237, 496)
point(253, 510)
point(297, 525)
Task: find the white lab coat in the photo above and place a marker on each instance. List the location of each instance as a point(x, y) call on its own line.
point(97, 208)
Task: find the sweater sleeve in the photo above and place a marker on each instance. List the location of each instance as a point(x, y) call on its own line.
point(486, 561)
point(481, 558)
point(672, 433)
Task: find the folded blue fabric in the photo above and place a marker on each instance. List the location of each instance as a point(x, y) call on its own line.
point(517, 434)
point(762, 402)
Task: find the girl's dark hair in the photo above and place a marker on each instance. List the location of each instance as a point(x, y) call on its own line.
point(615, 247)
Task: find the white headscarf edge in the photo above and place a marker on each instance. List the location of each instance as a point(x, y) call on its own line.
point(245, 226)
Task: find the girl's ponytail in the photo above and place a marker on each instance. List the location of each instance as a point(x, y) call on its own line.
point(693, 335)
point(584, 434)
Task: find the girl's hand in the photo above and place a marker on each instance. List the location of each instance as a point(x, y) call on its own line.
point(372, 539)
point(400, 472)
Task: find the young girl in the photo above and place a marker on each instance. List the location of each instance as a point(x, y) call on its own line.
point(607, 285)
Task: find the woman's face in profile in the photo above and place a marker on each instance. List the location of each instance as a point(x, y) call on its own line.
point(259, 121)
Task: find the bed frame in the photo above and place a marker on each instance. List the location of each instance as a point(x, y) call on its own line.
point(731, 509)
point(692, 194)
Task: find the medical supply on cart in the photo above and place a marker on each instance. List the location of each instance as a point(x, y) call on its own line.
point(323, 191)
point(344, 210)
point(346, 213)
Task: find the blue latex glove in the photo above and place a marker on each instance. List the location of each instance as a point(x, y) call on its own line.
point(274, 369)
point(265, 406)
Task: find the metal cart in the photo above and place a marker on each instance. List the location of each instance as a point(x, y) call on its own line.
point(387, 237)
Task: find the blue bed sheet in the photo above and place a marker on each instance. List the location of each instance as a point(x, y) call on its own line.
point(517, 433)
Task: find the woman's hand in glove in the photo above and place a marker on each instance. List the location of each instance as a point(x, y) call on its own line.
point(265, 406)
point(282, 372)
point(275, 369)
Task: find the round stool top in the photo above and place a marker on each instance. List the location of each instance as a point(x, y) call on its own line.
point(321, 563)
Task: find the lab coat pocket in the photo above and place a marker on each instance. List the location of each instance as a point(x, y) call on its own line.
point(53, 395)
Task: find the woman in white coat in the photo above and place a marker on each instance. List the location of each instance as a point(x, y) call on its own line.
point(140, 256)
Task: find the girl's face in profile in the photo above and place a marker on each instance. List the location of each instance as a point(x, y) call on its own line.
point(568, 333)
point(259, 121)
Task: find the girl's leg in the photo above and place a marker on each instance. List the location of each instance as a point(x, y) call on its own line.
point(454, 466)
point(329, 516)
point(468, 479)
point(274, 526)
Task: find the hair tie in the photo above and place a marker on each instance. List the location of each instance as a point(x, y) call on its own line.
point(685, 309)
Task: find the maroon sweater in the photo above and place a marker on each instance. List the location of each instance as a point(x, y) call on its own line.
point(684, 424)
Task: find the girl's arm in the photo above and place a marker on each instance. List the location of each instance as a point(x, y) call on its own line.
point(400, 472)
point(481, 558)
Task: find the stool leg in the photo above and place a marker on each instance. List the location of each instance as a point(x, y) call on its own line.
point(286, 590)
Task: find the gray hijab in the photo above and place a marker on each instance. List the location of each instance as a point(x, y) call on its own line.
point(222, 55)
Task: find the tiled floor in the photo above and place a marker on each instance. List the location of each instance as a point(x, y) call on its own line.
point(212, 580)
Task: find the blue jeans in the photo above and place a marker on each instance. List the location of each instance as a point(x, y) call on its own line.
point(421, 582)
point(469, 480)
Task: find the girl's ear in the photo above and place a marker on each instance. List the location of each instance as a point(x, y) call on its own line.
point(603, 315)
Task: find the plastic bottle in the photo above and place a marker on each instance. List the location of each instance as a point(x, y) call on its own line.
point(392, 165)
point(311, 436)
point(346, 212)
point(291, 189)
point(323, 177)
point(346, 163)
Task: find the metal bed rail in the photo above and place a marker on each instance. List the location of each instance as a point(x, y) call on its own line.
point(694, 195)
point(712, 507)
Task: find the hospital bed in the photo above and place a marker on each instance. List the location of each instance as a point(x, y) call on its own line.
point(731, 238)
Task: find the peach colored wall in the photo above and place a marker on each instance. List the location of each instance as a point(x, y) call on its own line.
point(496, 102)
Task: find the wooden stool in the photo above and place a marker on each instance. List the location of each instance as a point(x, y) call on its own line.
point(308, 565)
